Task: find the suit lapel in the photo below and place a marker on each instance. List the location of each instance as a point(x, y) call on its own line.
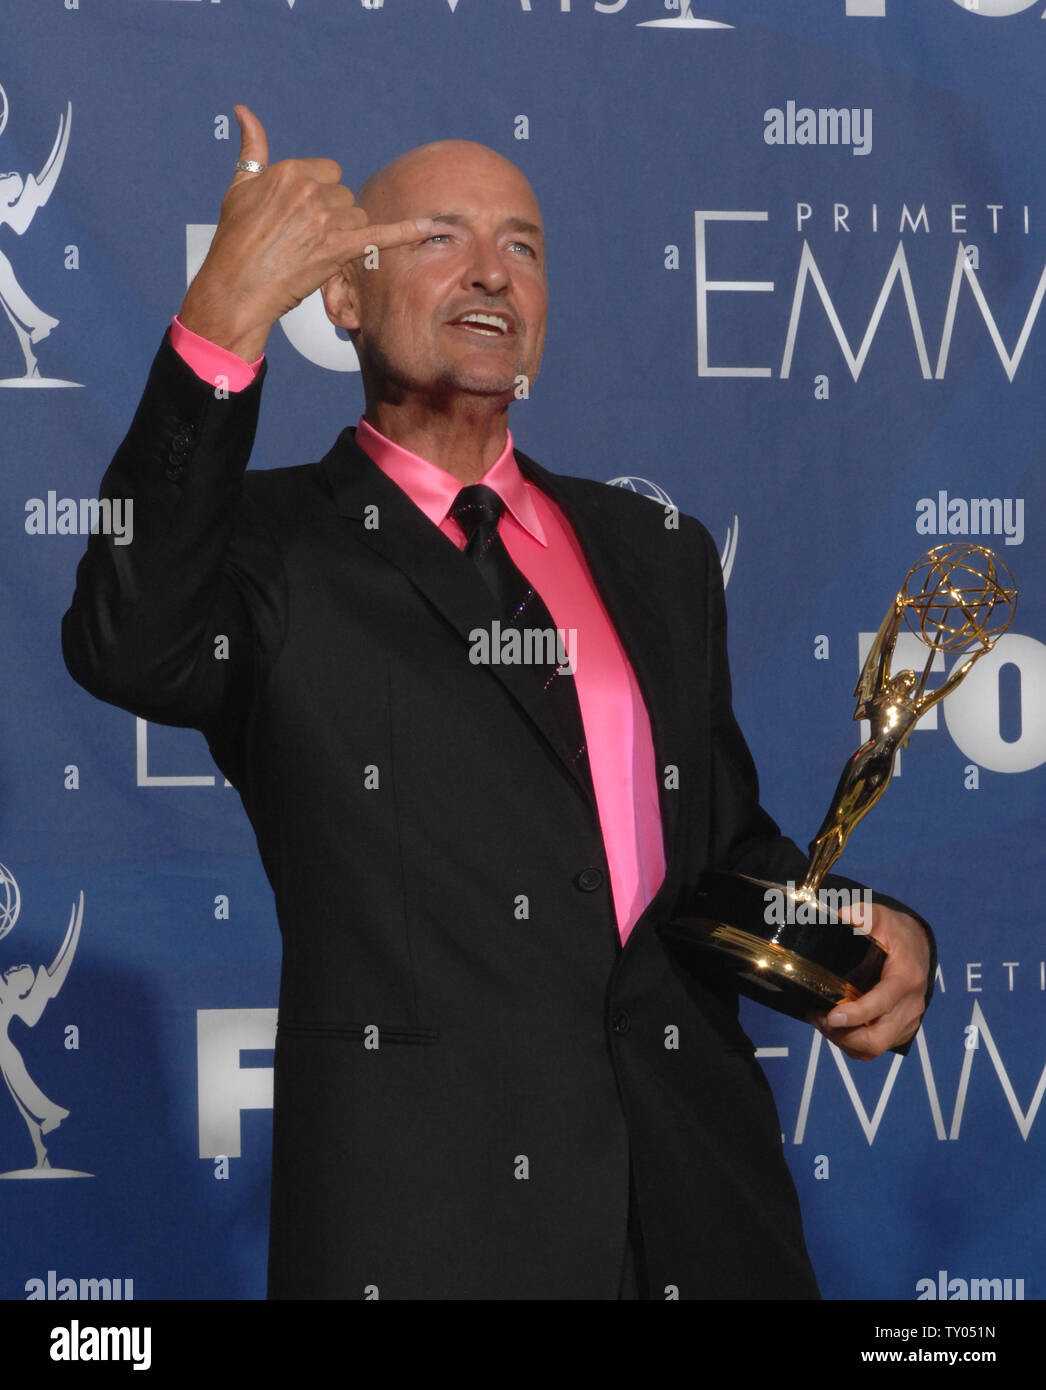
point(403, 535)
point(627, 584)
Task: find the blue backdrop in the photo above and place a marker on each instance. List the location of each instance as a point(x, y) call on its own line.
point(797, 262)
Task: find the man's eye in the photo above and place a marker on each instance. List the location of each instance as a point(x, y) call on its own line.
point(522, 246)
point(437, 236)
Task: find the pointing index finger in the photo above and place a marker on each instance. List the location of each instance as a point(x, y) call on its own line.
point(385, 235)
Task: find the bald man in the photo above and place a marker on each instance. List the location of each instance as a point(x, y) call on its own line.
point(491, 1078)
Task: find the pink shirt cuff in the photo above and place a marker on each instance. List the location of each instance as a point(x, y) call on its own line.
point(211, 363)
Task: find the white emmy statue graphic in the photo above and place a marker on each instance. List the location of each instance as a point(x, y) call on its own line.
point(24, 994)
point(683, 20)
point(20, 200)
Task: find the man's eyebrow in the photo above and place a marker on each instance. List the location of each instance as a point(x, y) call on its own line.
point(520, 224)
point(514, 224)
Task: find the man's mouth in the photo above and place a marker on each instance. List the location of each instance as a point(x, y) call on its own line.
point(490, 325)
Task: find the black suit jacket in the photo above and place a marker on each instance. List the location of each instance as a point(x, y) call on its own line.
point(467, 1060)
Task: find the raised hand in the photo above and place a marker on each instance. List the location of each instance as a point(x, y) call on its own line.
point(282, 233)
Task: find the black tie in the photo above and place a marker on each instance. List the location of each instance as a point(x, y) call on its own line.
point(477, 510)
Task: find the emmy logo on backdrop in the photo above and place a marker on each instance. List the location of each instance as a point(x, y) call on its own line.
point(785, 945)
point(20, 200)
point(657, 494)
point(24, 994)
point(683, 20)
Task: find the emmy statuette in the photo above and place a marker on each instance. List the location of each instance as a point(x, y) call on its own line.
point(785, 945)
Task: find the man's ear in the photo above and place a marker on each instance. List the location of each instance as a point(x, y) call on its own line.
point(340, 299)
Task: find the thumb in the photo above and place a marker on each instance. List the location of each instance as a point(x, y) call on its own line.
point(253, 143)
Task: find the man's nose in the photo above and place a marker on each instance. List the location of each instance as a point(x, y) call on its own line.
point(487, 270)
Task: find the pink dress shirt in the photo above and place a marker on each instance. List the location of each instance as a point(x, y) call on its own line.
point(543, 546)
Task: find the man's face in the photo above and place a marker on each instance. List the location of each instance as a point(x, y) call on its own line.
point(463, 311)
